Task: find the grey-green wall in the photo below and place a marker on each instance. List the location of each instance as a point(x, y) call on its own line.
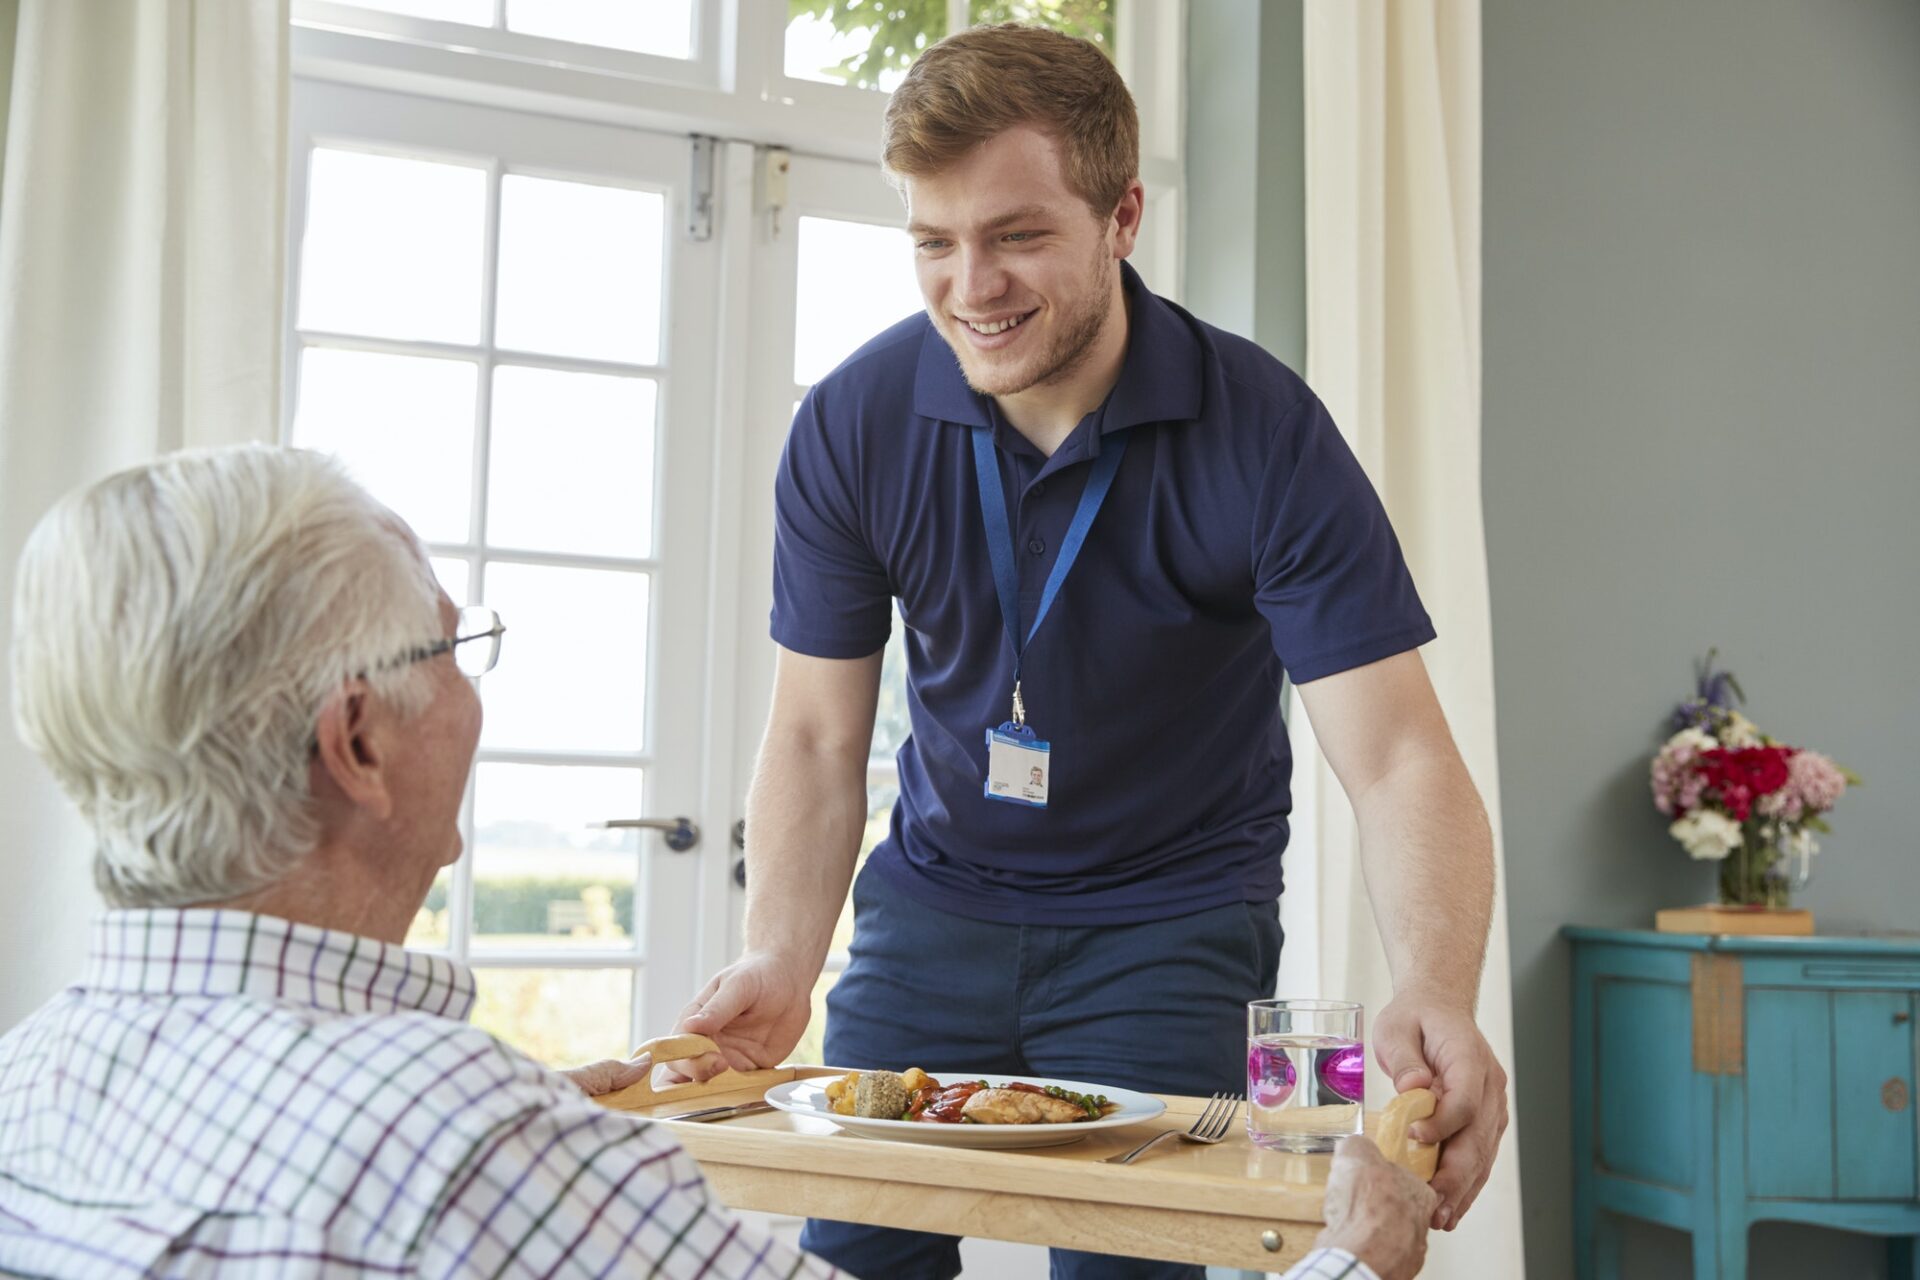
point(1702, 426)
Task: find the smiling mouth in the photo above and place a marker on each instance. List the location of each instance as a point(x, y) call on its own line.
point(989, 328)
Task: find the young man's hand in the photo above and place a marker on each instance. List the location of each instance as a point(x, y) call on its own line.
point(1424, 1043)
point(755, 1009)
point(1376, 1211)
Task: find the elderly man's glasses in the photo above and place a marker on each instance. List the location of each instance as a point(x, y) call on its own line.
point(474, 644)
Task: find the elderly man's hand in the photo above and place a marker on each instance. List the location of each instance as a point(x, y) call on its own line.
point(1376, 1211)
point(1424, 1042)
point(609, 1076)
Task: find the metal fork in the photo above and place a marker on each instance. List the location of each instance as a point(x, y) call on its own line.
point(1209, 1128)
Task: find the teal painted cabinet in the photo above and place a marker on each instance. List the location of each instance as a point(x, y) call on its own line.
point(1721, 1081)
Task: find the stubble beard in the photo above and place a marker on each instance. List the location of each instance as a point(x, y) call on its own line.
point(1080, 330)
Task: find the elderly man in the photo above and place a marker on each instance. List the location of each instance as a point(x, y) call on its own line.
point(239, 666)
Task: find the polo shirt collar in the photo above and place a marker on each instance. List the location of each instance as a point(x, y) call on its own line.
point(1160, 380)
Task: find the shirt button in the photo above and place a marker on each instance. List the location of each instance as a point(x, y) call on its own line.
point(1036, 546)
point(1039, 488)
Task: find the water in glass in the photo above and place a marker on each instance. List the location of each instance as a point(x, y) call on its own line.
point(1304, 1091)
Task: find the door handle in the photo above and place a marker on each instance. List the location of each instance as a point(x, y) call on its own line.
point(680, 834)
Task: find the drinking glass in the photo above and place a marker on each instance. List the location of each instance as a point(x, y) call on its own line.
point(1306, 1073)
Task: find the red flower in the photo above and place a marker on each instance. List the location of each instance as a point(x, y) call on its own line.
point(1741, 777)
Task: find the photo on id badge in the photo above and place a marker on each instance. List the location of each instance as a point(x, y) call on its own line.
point(1017, 770)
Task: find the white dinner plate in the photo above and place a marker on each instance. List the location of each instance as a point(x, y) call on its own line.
point(809, 1098)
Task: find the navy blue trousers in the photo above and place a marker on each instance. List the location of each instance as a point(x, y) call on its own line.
point(1158, 1007)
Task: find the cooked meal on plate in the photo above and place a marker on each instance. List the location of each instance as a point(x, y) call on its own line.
point(914, 1095)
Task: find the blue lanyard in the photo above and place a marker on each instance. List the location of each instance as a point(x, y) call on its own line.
point(1006, 576)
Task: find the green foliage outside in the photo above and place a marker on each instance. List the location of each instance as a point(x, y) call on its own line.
point(899, 29)
point(519, 906)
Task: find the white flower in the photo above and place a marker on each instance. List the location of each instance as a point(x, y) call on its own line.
point(1741, 732)
point(1707, 834)
point(1693, 741)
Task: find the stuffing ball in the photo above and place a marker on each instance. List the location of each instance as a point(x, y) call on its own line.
point(880, 1095)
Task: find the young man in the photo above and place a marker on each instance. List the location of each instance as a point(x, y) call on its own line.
point(1109, 528)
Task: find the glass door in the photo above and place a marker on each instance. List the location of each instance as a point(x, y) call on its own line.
point(832, 267)
point(500, 324)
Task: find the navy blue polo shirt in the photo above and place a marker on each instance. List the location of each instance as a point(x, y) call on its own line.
point(1240, 537)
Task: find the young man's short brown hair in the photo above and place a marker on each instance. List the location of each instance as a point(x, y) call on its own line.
point(978, 83)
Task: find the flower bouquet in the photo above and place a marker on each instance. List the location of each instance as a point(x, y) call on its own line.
point(1741, 798)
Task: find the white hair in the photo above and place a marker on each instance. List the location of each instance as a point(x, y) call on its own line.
point(177, 628)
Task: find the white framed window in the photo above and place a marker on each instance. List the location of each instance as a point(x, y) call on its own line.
point(668, 41)
point(495, 323)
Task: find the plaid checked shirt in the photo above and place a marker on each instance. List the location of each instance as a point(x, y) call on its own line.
point(226, 1094)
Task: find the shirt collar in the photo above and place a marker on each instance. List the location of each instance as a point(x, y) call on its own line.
point(1160, 379)
point(201, 952)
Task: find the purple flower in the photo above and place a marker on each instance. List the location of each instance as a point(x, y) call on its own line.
point(1715, 693)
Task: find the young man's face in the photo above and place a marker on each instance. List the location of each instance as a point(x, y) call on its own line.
point(1018, 274)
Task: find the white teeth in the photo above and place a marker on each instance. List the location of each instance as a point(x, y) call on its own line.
point(1000, 326)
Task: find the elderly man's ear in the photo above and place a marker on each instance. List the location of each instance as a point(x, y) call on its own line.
point(352, 748)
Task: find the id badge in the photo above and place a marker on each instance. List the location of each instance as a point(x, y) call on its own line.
point(1019, 766)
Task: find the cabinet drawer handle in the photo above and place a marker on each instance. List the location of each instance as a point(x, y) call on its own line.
point(1902, 1018)
point(1893, 1094)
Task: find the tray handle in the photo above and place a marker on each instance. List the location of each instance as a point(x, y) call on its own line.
point(679, 1048)
point(659, 1051)
point(1417, 1158)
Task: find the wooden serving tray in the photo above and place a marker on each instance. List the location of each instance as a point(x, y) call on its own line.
point(1230, 1204)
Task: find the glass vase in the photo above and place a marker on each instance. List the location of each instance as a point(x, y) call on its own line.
point(1763, 872)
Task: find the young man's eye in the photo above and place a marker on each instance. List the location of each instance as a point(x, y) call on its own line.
point(927, 245)
point(1020, 237)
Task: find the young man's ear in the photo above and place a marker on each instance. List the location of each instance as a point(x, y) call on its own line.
point(350, 755)
point(1125, 226)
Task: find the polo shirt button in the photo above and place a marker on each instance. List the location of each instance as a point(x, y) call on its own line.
point(1036, 546)
point(1039, 488)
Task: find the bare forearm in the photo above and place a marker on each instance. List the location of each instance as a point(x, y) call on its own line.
point(1427, 851)
point(806, 810)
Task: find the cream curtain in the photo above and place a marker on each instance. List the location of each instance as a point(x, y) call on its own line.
point(1393, 346)
point(142, 219)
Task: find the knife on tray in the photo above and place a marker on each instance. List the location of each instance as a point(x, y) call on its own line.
point(707, 1115)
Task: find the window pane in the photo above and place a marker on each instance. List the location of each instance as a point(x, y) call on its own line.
point(891, 724)
point(855, 279)
point(860, 45)
point(1088, 19)
point(562, 1017)
point(572, 462)
point(454, 575)
point(393, 247)
point(431, 927)
point(573, 664)
point(475, 13)
point(580, 269)
point(542, 876)
point(403, 425)
point(660, 27)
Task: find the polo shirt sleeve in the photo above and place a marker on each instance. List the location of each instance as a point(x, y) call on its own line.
point(1328, 573)
point(831, 595)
